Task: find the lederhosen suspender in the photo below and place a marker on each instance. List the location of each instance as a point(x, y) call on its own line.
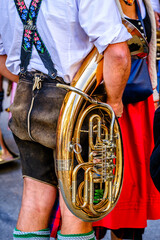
point(31, 36)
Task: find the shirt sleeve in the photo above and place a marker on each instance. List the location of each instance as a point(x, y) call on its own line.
point(156, 5)
point(102, 23)
point(2, 51)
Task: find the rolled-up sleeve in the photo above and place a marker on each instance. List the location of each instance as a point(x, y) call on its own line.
point(102, 23)
point(2, 51)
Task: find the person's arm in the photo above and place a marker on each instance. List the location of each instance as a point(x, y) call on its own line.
point(116, 70)
point(108, 34)
point(5, 72)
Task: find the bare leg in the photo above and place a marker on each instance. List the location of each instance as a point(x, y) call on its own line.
point(70, 223)
point(37, 203)
point(6, 155)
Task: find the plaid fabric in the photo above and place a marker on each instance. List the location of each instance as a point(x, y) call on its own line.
point(55, 221)
point(122, 233)
point(100, 232)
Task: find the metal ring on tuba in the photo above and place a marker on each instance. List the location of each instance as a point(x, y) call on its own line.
point(89, 147)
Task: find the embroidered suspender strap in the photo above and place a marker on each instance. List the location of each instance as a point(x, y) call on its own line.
point(31, 37)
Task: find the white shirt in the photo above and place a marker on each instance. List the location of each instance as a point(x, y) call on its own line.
point(156, 5)
point(68, 28)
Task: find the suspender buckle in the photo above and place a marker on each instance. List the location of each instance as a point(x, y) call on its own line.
point(22, 70)
point(37, 81)
point(30, 27)
point(53, 74)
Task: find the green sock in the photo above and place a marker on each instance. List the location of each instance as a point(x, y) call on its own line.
point(43, 234)
point(83, 236)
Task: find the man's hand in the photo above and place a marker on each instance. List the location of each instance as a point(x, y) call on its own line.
point(117, 108)
point(116, 70)
point(5, 72)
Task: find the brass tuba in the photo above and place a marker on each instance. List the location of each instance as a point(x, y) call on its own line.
point(89, 158)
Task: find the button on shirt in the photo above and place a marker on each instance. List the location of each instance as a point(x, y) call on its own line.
point(68, 28)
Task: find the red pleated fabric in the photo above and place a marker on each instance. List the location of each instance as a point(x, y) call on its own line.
point(139, 199)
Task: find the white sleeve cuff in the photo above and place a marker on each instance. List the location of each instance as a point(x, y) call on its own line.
point(119, 34)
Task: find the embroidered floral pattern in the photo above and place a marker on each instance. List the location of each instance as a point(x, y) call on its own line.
point(38, 43)
point(27, 39)
point(24, 14)
point(22, 8)
point(32, 9)
point(31, 36)
point(28, 17)
point(21, 5)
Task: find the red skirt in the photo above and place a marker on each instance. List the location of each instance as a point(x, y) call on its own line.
point(139, 199)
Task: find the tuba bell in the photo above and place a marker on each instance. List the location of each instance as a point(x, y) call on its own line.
point(89, 160)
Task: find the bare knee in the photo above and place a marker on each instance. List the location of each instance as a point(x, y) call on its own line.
point(37, 203)
point(38, 195)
